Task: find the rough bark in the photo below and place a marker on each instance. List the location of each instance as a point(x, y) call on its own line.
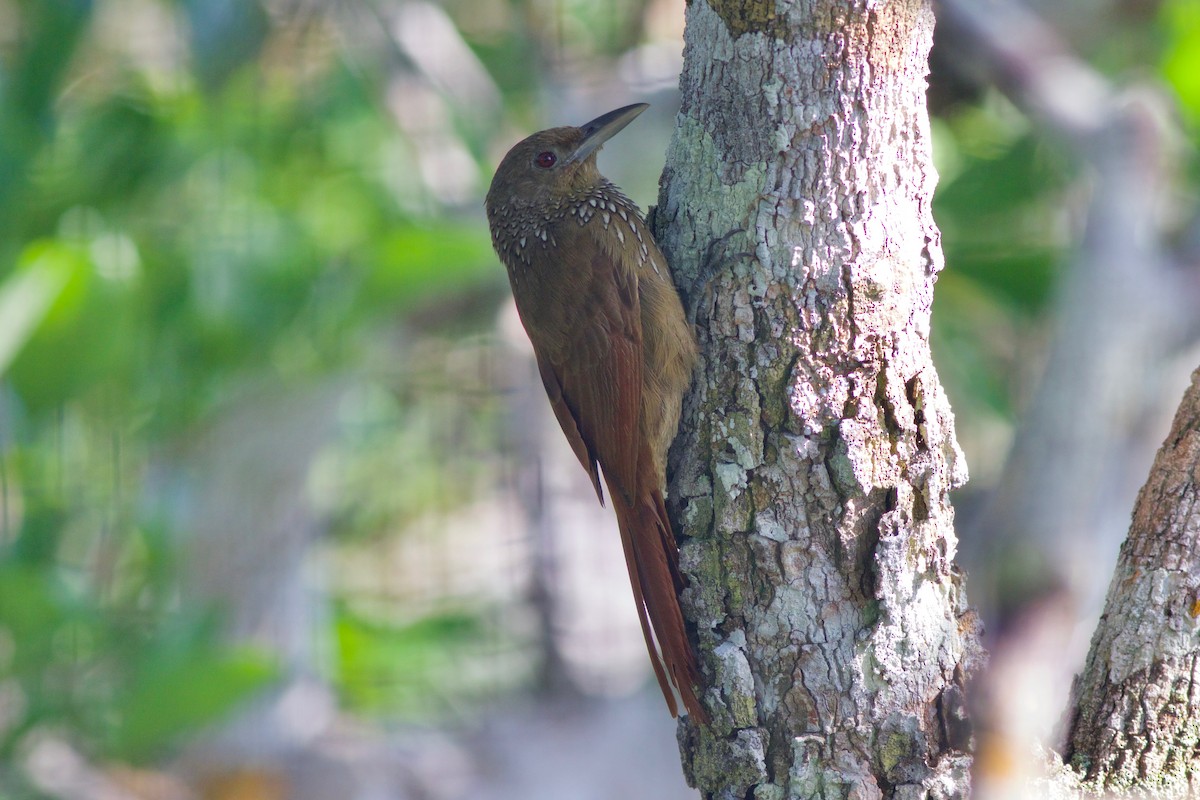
point(818, 450)
point(1136, 716)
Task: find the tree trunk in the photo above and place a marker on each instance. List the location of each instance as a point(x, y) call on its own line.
point(1136, 716)
point(811, 478)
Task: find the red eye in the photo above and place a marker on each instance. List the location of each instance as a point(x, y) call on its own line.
point(546, 160)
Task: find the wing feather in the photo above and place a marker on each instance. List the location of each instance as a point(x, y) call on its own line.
point(593, 375)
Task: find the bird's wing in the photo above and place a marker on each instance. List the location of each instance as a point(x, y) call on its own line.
point(566, 420)
point(593, 374)
point(591, 363)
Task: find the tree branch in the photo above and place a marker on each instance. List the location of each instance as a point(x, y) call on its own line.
point(1134, 724)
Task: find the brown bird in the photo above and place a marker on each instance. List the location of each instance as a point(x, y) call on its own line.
point(614, 351)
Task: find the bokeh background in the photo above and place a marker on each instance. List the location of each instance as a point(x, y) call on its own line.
point(283, 513)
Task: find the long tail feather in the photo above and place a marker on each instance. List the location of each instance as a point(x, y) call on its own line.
point(653, 562)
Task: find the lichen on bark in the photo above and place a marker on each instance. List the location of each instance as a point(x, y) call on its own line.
point(811, 478)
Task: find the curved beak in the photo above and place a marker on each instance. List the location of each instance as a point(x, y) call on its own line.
point(603, 128)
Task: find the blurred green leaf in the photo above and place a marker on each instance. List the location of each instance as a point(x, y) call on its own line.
point(1015, 270)
point(82, 336)
point(1005, 231)
point(51, 29)
point(1021, 173)
point(48, 33)
point(973, 344)
point(27, 296)
point(32, 604)
point(120, 143)
point(402, 668)
point(66, 267)
point(1181, 57)
point(182, 690)
point(1001, 215)
point(412, 262)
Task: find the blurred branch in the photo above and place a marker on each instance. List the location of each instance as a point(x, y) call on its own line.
point(421, 37)
point(528, 425)
point(1003, 44)
point(238, 487)
point(1121, 312)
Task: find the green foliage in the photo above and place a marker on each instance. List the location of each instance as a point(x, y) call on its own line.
point(27, 297)
point(166, 239)
point(85, 310)
point(169, 236)
point(393, 466)
point(382, 667)
point(127, 676)
point(1181, 57)
point(206, 241)
point(179, 686)
point(28, 84)
point(417, 670)
point(1001, 209)
point(438, 255)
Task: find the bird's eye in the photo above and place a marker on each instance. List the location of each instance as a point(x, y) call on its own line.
point(546, 160)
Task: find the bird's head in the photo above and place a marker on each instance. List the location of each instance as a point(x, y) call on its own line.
point(556, 162)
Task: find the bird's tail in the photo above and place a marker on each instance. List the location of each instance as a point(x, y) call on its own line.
point(653, 562)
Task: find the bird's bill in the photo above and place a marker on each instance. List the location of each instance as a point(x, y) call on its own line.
point(603, 128)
